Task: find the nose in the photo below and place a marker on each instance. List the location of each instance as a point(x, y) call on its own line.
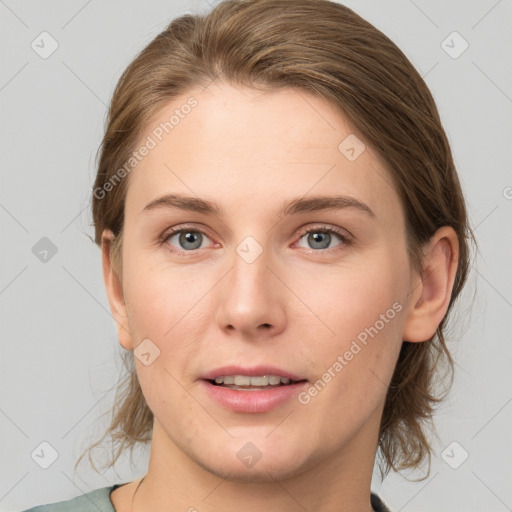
point(251, 299)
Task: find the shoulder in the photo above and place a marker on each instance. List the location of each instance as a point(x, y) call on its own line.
point(377, 504)
point(94, 501)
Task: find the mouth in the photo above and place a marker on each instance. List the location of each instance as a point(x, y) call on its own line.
point(256, 389)
point(252, 383)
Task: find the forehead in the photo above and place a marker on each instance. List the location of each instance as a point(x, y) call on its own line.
point(244, 146)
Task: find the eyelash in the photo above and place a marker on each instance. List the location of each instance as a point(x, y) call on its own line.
point(345, 239)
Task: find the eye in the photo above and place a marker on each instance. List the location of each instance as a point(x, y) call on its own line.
point(320, 238)
point(183, 239)
point(188, 239)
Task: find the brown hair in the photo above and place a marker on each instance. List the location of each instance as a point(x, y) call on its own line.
point(325, 49)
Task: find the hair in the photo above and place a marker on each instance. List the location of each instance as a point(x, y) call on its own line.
point(327, 50)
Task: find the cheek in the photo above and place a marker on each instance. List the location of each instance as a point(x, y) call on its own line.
point(360, 334)
point(158, 297)
point(353, 366)
point(166, 306)
point(345, 302)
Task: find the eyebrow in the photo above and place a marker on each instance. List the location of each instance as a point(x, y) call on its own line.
point(292, 207)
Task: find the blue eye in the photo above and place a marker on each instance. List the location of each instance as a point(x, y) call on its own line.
point(190, 239)
point(320, 238)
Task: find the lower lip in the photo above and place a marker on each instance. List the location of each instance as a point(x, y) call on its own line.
point(253, 400)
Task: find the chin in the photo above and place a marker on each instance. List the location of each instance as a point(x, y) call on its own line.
point(276, 470)
point(260, 461)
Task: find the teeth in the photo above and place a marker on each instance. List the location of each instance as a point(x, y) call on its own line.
point(245, 380)
point(274, 379)
point(255, 381)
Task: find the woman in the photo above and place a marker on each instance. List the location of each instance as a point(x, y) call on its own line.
point(283, 236)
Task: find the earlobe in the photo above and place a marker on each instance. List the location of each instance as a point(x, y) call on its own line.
point(114, 291)
point(430, 297)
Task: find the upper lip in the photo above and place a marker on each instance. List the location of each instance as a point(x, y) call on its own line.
point(252, 371)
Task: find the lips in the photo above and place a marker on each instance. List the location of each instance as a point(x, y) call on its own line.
point(253, 371)
point(242, 396)
point(244, 381)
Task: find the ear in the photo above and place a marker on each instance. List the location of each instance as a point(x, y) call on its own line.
point(115, 294)
point(431, 293)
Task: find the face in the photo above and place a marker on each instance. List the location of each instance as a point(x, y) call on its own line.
point(276, 281)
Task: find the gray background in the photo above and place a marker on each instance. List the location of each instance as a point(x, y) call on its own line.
point(58, 361)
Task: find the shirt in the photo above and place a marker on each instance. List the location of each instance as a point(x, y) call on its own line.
point(99, 501)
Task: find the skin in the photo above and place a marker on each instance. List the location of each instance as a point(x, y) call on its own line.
point(297, 306)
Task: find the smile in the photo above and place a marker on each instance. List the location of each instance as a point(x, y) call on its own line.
point(246, 382)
